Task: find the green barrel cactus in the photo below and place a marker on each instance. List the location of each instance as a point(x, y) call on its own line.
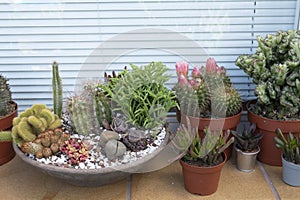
point(6, 106)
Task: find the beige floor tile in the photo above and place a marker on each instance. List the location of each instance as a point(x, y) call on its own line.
point(285, 191)
point(168, 184)
point(21, 181)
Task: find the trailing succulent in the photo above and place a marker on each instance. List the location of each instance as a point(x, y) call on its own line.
point(275, 68)
point(248, 140)
point(6, 105)
point(290, 146)
point(208, 93)
point(207, 151)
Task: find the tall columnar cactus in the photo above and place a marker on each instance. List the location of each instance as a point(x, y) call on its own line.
point(6, 106)
point(275, 68)
point(57, 90)
point(33, 121)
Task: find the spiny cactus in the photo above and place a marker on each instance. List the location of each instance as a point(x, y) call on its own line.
point(289, 145)
point(205, 86)
point(5, 136)
point(226, 100)
point(274, 67)
point(208, 151)
point(6, 106)
point(248, 140)
point(33, 121)
point(57, 90)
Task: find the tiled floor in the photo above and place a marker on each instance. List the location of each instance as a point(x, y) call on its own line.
point(21, 181)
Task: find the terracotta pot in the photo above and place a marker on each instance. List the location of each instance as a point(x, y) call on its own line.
point(6, 149)
point(201, 180)
point(269, 154)
point(214, 124)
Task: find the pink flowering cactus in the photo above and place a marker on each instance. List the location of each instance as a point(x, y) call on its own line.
point(196, 72)
point(182, 68)
point(211, 66)
point(182, 80)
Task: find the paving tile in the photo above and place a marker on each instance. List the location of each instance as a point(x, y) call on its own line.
point(168, 184)
point(285, 191)
point(19, 180)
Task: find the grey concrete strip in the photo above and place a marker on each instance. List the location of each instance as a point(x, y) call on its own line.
point(128, 188)
point(262, 169)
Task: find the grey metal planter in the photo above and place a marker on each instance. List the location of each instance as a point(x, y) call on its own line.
point(290, 173)
point(245, 161)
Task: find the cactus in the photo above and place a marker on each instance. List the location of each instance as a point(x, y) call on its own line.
point(289, 145)
point(33, 121)
point(57, 90)
point(207, 151)
point(46, 143)
point(6, 106)
point(5, 136)
point(248, 140)
point(274, 67)
point(226, 100)
point(210, 87)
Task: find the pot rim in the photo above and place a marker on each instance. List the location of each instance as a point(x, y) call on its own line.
point(12, 113)
point(291, 164)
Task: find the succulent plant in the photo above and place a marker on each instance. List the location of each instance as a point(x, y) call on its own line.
point(57, 90)
point(75, 150)
point(142, 97)
point(114, 149)
point(208, 151)
point(210, 87)
point(6, 106)
point(47, 143)
point(33, 121)
point(5, 136)
point(289, 145)
point(248, 140)
point(274, 67)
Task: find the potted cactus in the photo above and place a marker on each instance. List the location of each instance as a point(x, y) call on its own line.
point(8, 110)
point(204, 160)
point(207, 98)
point(247, 148)
point(274, 67)
point(290, 147)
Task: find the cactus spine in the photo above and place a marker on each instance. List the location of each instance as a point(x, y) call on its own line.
point(57, 90)
point(5, 97)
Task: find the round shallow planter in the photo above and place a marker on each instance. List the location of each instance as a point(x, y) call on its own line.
point(6, 148)
point(290, 173)
point(93, 177)
point(245, 161)
point(215, 124)
point(269, 154)
point(201, 180)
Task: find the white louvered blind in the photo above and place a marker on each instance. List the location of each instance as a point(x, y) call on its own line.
point(34, 33)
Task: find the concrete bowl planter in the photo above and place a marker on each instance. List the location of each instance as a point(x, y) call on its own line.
point(94, 177)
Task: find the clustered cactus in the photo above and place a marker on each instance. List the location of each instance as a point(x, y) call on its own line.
point(247, 140)
point(275, 68)
point(32, 122)
point(289, 145)
point(207, 151)
point(208, 93)
point(6, 105)
point(46, 144)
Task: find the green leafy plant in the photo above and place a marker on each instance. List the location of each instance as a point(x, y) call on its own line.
point(142, 97)
point(207, 151)
point(289, 145)
point(274, 67)
point(208, 93)
point(247, 140)
point(6, 105)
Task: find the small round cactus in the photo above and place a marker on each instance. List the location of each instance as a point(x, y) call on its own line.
point(6, 106)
